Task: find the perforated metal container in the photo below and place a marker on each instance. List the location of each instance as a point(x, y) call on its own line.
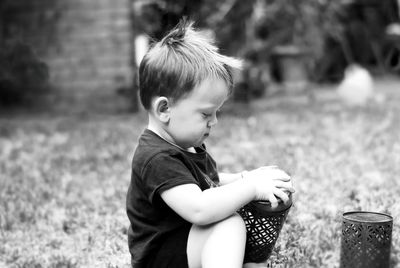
point(263, 224)
point(366, 240)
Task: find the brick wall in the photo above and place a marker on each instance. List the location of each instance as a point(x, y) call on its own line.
point(86, 43)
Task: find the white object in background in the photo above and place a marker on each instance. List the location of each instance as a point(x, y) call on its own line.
point(141, 47)
point(357, 86)
point(393, 29)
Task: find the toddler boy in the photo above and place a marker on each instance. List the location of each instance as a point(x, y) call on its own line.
point(182, 212)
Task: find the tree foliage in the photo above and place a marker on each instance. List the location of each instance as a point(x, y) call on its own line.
point(22, 75)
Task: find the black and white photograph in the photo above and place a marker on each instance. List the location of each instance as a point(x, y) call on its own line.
point(200, 133)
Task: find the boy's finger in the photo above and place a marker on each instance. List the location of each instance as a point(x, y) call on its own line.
point(285, 179)
point(285, 185)
point(281, 172)
point(272, 199)
point(281, 175)
point(281, 195)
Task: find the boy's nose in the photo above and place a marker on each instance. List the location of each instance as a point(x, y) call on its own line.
point(213, 121)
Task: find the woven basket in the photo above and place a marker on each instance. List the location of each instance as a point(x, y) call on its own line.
point(263, 226)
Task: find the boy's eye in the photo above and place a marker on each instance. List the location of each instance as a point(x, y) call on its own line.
point(205, 115)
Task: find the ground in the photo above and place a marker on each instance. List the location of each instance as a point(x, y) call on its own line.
point(63, 179)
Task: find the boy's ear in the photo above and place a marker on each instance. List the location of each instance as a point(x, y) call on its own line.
point(162, 109)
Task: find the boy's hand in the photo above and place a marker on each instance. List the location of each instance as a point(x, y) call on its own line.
point(270, 182)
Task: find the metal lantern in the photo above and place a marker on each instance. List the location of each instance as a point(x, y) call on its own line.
point(366, 240)
point(263, 225)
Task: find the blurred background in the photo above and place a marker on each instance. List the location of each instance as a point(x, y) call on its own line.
point(83, 54)
point(319, 97)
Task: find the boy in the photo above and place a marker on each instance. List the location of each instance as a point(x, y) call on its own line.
point(182, 212)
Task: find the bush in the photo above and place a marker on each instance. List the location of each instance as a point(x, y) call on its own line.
point(23, 77)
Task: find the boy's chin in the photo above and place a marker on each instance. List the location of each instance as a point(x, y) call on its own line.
point(202, 140)
point(197, 144)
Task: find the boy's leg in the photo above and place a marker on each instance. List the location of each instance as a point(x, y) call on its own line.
point(217, 245)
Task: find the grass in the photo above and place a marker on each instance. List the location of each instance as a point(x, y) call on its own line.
point(63, 180)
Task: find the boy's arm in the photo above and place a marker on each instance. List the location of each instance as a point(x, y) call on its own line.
point(214, 204)
point(226, 178)
point(205, 207)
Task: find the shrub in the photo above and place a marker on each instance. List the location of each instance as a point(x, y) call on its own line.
point(23, 76)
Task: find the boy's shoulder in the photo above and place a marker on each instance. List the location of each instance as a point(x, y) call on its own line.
point(151, 145)
point(153, 148)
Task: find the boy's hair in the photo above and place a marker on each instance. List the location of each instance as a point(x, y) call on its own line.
point(178, 63)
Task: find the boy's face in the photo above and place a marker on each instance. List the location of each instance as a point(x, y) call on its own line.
point(193, 116)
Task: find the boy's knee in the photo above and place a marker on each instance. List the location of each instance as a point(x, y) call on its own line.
point(238, 220)
point(235, 222)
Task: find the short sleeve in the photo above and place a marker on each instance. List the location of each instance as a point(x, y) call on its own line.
point(164, 172)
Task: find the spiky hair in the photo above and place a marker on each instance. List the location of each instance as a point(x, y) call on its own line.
point(183, 59)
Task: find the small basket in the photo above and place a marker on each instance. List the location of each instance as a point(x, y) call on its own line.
point(263, 226)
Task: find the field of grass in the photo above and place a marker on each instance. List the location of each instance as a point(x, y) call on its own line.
point(63, 179)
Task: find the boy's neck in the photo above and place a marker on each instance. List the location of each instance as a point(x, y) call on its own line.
point(165, 136)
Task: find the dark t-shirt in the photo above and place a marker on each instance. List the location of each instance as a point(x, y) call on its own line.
point(158, 166)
